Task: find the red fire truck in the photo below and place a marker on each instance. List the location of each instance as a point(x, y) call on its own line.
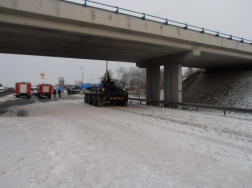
point(44, 90)
point(23, 89)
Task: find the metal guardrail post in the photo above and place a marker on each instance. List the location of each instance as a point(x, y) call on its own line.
point(224, 112)
point(117, 10)
point(166, 22)
point(203, 31)
point(85, 4)
point(143, 18)
point(186, 27)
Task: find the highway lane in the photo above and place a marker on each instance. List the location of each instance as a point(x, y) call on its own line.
point(11, 101)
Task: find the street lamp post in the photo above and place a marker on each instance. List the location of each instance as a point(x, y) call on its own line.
point(82, 74)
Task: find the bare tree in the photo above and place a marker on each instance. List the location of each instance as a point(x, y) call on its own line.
point(122, 75)
point(188, 72)
point(133, 77)
point(137, 79)
point(110, 75)
point(76, 82)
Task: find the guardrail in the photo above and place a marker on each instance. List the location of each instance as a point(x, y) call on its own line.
point(197, 106)
point(6, 93)
point(165, 21)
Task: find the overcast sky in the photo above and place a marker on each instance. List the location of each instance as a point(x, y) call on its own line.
point(226, 16)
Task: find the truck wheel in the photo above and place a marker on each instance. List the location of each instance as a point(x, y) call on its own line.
point(88, 99)
point(99, 103)
point(124, 103)
point(91, 99)
point(85, 99)
point(94, 101)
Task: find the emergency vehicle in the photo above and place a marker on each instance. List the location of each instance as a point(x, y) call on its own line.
point(44, 90)
point(23, 89)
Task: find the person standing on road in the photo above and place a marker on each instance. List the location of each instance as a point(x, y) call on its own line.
point(59, 92)
point(69, 90)
point(54, 92)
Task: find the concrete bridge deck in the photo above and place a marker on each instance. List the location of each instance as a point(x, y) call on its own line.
point(62, 29)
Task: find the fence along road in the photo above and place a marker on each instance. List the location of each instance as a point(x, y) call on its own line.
point(197, 106)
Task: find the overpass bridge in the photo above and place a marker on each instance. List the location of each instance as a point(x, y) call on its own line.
point(58, 28)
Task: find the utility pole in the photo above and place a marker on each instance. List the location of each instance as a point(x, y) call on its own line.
point(82, 74)
point(106, 70)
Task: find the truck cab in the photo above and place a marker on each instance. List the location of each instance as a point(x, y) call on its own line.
point(34, 90)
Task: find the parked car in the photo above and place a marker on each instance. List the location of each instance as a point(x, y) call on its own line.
point(34, 90)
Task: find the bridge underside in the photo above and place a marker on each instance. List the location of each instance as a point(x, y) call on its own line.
point(17, 39)
point(27, 40)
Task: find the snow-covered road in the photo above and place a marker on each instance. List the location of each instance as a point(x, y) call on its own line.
point(71, 144)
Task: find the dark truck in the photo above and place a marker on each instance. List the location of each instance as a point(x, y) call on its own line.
point(73, 89)
point(108, 92)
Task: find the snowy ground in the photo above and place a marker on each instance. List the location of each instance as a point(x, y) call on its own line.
point(67, 143)
point(221, 89)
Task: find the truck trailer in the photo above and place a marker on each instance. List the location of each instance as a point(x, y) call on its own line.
point(23, 89)
point(44, 90)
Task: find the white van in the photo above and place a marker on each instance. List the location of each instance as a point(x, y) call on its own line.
point(34, 91)
point(1, 89)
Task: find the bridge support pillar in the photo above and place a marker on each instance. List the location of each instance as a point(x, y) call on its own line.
point(173, 83)
point(153, 84)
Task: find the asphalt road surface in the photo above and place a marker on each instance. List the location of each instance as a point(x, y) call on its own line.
point(12, 101)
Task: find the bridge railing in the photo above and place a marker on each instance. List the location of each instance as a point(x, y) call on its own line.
point(165, 21)
point(196, 106)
